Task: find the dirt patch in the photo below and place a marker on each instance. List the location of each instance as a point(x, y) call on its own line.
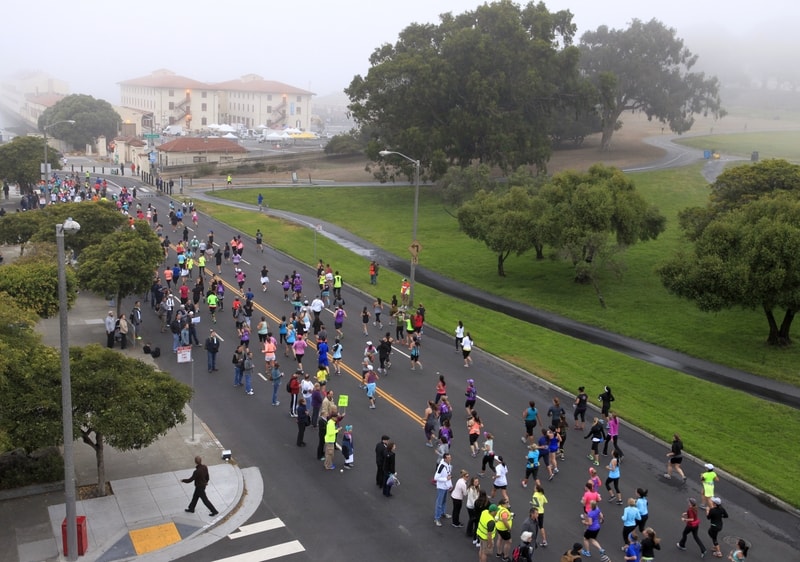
point(91, 491)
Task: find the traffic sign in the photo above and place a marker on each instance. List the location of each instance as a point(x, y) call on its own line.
point(152, 136)
point(415, 248)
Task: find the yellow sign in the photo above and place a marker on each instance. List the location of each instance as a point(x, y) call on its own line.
point(415, 248)
point(344, 399)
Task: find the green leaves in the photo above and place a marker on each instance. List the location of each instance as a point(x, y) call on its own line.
point(92, 117)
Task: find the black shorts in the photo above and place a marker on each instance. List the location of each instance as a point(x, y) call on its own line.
point(591, 534)
point(531, 472)
point(505, 535)
point(529, 427)
point(580, 414)
point(675, 460)
point(469, 404)
point(473, 438)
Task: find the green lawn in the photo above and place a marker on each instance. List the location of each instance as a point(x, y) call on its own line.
point(784, 144)
point(637, 304)
point(658, 400)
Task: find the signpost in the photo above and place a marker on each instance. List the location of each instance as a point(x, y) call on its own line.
point(152, 136)
point(185, 356)
point(344, 399)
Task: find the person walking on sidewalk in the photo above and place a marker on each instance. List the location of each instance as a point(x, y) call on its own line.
point(200, 478)
point(692, 524)
point(111, 327)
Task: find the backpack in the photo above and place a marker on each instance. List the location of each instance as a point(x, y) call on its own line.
point(521, 553)
point(569, 557)
point(155, 353)
point(289, 386)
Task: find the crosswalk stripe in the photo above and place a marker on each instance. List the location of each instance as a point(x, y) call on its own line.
point(260, 527)
point(269, 553)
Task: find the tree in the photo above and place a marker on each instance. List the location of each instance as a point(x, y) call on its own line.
point(646, 68)
point(748, 257)
point(505, 222)
point(461, 184)
point(479, 86)
point(92, 117)
point(20, 161)
point(33, 280)
point(123, 263)
point(594, 214)
point(122, 402)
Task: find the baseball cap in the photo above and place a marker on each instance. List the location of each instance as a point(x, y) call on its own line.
point(369, 343)
point(709, 466)
point(369, 367)
point(716, 501)
point(470, 381)
point(492, 508)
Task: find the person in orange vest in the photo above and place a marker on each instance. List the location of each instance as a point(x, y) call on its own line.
point(405, 291)
point(373, 273)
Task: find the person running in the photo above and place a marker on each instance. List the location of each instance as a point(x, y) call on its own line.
point(365, 321)
point(593, 519)
point(466, 349)
point(597, 435)
point(708, 478)
point(372, 385)
point(472, 395)
point(337, 357)
point(500, 481)
point(430, 416)
point(377, 309)
point(590, 495)
point(531, 466)
point(264, 279)
point(530, 416)
point(606, 398)
point(630, 519)
point(613, 479)
point(675, 457)
point(474, 427)
point(644, 509)
point(715, 515)
point(441, 389)
point(612, 435)
point(338, 321)
point(739, 554)
point(650, 543)
point(459, 334)
point(212, 300)
point(692, 524)
point(414, 355)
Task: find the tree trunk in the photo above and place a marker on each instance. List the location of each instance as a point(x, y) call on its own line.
point(539, 251)
point(101, 465)
point(501, 258)
point(608, 130)
point(786, 325)
point(779, 336)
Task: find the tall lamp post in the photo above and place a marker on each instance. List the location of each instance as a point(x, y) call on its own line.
point(415, 247)
point(68, 225)
point(45, 171)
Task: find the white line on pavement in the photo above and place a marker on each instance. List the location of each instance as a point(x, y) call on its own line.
point(269, 553)
point(260, 527)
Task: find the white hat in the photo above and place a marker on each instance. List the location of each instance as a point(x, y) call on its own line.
point(709, 466)
point(369, 343)
point(369, 367)
point(716, 501)
point(527, 536)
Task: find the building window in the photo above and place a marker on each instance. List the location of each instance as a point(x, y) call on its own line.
point(298, 111)
point(172, 105)
point(171, 93)
point(299, 98)
point(204, 121)
point(269, 109)
point(198, 159)
point(203, 95)
point(269, 97)
point(203, 107)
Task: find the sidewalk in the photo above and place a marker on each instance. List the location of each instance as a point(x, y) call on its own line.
point(145, 512)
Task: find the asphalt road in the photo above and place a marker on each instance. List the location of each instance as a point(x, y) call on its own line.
point(342, 515)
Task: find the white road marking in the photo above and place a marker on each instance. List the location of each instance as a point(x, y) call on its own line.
point(260, 527)
point(269, 553)
point(493, 406)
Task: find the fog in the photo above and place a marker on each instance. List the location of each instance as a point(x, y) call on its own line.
point(320, 45)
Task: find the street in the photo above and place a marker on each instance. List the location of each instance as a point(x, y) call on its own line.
point(342, 515)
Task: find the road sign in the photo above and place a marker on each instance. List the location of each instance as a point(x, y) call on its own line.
point(415, 248)
point(152, 136)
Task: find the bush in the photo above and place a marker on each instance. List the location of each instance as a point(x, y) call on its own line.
point(19, 469)
point(205, 170)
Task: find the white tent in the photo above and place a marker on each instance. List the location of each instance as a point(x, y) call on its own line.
point(226, 129)
point(229, 136)
point(214, 126)
point(292, 130)
point(262, 127)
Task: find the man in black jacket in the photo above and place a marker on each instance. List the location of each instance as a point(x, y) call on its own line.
point(380, 453)
point(200, 479)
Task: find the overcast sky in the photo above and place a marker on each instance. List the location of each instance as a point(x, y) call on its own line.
point(313, 44)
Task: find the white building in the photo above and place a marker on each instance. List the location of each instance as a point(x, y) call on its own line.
point(247, 102)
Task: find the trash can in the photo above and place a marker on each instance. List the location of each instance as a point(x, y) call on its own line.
point(707, 154)
point(83, 537)
point(754, 156)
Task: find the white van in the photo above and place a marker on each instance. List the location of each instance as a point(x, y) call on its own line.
point(174, 130)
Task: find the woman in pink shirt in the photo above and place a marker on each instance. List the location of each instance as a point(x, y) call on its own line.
point(299, 348)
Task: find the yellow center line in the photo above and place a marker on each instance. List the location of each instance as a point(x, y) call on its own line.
point(350, 371)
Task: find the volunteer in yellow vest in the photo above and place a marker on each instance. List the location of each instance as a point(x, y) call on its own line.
point(337, 285)
point(504, 519)
point(709, 477)
point(409, 330)
point(330, 438)
point(486, 532)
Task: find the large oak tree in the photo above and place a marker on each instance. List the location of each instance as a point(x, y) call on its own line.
point(646, 67)
point(480, 86)
point(92, 118)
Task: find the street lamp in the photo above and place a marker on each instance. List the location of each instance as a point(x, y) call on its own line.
point(414, 248)
point(68, 225)
point(45, 171)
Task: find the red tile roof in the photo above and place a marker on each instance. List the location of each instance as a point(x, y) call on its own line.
point(131, 141)
point(45, 100)
point(197, 144)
